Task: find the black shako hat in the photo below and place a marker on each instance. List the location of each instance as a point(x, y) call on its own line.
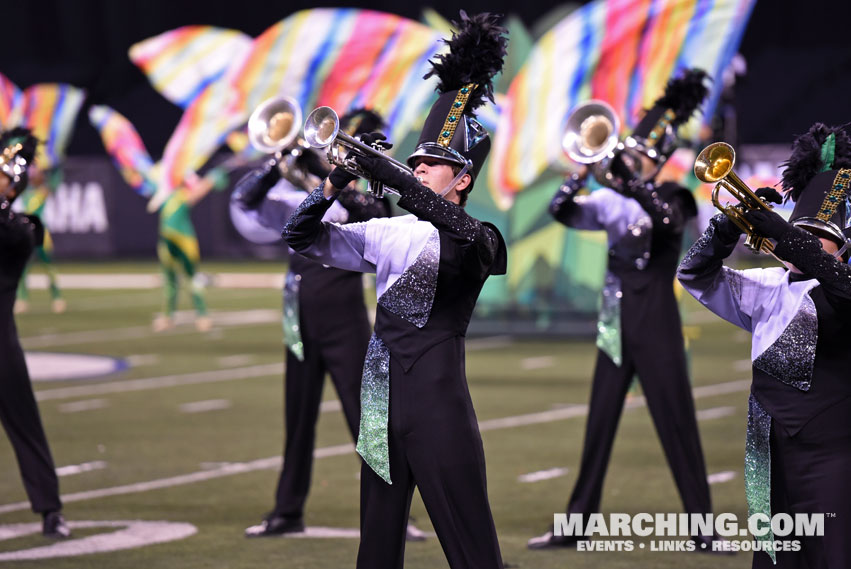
point(818, 178)
point(361, 120)
point(655, 135)
point(451, 131)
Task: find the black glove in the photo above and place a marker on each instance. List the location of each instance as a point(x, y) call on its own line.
point(769, 195)
point(383, 171)
point(340, 178)
point(768, 224)
point(726, 230)
point(376, 138)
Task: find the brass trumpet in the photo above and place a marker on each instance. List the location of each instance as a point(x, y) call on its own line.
point(714, 165)
point(322, 130)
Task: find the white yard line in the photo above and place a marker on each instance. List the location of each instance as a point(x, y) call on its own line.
point(84, 405)
point(102, 281)
point(191, 478)
point(275, 461)
point(721, 477)
point(715, 413)
point(205, 406)
point(260, 370)
point(539, 362)
point(540, 475)
point(183, 319)
point(129, 385)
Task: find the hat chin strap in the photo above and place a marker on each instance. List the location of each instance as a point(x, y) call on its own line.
point(455, 180)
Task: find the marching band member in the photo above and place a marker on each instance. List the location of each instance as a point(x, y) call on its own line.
point(639, 327)
point(20, 234)
point(418, 427)
point(326, 328)
point(798, 448)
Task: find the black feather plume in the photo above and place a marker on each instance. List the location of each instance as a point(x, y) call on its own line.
point(805, 161)
point(685, 94)
point(363, 119)
point(476, 53)
point(22, 136)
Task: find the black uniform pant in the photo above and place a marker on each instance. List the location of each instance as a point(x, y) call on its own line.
point(435, 446)
point(810, 475)
point(664, 382)
point(22, 422)
point(340, 353)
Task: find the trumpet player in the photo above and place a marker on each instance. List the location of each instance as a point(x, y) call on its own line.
point(798, 449)
point(418, 427)
point(326, 328)
point(19, 235)
point(639, 327)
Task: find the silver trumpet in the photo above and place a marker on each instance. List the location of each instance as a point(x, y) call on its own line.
point(273, 128)
point(322, 130)
point(591, 136)
point(274, 124)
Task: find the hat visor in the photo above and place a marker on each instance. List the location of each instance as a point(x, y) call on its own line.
point(434, 150)
point(823, 229)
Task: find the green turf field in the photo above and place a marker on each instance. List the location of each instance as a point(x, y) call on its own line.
point(150, 455)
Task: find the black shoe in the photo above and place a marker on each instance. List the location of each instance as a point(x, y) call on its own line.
point(54, 526)
point(712, 544)
point(275, 525)
point(550, 541)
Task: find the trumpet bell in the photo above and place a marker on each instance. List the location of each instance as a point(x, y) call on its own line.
point(321, 127)
point(715, 162)
point(591, 132)
point(274, 124)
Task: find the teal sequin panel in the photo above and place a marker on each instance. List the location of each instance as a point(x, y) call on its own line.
point(292, 324)
point(410, 297)
point(373, 444)
point(609, 322)
point(758, 468)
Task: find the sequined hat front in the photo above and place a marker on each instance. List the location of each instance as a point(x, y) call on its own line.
point(818, 178)
point(451, 131)
point(17, 150)
point(655, 135)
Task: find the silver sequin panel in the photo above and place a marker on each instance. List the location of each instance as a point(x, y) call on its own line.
point(701, 243)
point(412, 295)
point(734, 279)
point(792, 356)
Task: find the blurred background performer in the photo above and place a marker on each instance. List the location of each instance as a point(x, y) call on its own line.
point(42, 185)
point(326, 328)
point(798, 449)
point(177, 243)
point(639, 327)
point(178, 250)
point(19, 235)
point(418, 427)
